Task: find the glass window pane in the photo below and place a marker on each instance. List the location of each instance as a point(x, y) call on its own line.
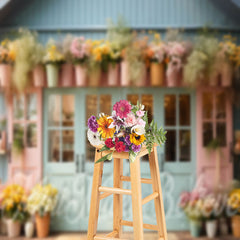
point(170, 146)
point(133, 98)
point(90, 150)
point(68, 145)
point(31, 106)
point(185, 145)
point(18, 107)
point(31, 135)
point(184, 110)
point(18, 137)
point(207, 133)
point(220, 105)
point(54, 110)
point(207, 105)
point(68, 106)
point(147, 101)
point(106, 104)
point(91, 106)
point(54, 146)
point(221, 133)
point(170, 110)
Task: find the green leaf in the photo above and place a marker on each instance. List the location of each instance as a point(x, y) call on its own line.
point(106, 157)
point(104, 148)
point(132, 156)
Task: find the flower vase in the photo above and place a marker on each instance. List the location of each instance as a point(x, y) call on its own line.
point(29, 229)
point(213, 79)
point(195, 228)
point(80, 75)
point(125, 77)
point(226, 75)
point(211, 228)
point(13, 228)
point(5, 75)
point(3, 226)
point(156, 74)
point(236, 226)
point(52, 74)
point(172, 77)
point(113, 74)
point(142, 80)
point(95, 77)
point(38, 76)
point(3, 141)
point(42, 225)
point(67, 75)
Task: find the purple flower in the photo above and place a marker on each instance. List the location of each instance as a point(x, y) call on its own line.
point(126, 148)
point(136, 148)
point(127, 140)
point(92, 124)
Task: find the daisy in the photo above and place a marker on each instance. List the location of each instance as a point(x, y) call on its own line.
point(94, 138)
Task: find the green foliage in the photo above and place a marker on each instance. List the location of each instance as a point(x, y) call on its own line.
point(18, 141)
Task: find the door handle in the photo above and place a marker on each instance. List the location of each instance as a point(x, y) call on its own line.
point(77, 163)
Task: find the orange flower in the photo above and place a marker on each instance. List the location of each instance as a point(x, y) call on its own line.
point(103, 128)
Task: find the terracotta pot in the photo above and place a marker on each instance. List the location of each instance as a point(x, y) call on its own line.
point(3, 141)
point(67, 75)
point(236, 226)
point(5, 75)
point(113, 74)
point(95, 77)
point(172, 78)
point(3, 226)
point(142, 80)
point(38, 76)
point(52, 74)
point(13, 228)
point(80, 75)
point(156, 74)
point(226, 75)
point(42, 225)
point(125, 77)
point(213, 79)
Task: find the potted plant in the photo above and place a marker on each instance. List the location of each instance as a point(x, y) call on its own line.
point(41, 203)
point(14, 208)
point(80, 50)
point(7, 57)
point(200, 67)
point(234, 208)
point(157, 56)
point(53, 59)
point(3, 134)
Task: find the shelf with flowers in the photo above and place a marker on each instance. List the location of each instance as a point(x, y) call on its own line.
point(126, 130)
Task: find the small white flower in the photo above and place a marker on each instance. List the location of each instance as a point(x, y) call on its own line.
point(138, 129)
point(94, 138)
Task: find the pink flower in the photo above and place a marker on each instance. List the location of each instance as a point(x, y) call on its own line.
point(140, 113)
point(184, 199)
point(122, 108)
point(79, 48)
point(130, 120)
point(141, 122)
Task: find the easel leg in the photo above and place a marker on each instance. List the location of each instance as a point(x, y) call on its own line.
point(136, 199)
point(95, 197)
point(159, 208)
point(117, 198)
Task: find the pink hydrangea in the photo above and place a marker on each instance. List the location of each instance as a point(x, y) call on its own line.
point(79, 48)
point(122, 108)
point(130, 120)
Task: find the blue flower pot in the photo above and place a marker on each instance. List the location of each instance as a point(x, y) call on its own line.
point(195, 228)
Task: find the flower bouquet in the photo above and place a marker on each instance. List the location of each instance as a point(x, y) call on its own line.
point(126, 130)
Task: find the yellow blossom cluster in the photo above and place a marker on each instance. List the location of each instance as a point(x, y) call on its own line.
point(53, 55)
point(7, 52)
point(234, 200)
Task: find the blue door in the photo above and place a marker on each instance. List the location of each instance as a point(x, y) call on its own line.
point(68, 157)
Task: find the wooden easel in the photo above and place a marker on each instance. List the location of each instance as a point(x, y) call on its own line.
point(100, 192)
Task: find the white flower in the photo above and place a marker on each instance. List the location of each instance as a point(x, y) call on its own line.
point(138, 129)
point(94, 138)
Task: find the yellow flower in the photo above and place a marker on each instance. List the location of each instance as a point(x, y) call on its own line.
point(104, 130)
point(137, 139)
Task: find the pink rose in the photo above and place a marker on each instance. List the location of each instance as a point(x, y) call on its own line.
point(141, 122)
point(130, 120)
point(140, 113)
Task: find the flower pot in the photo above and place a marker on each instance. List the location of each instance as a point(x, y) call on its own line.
point(142, 80)
point(211, 228)
point(223, 227)
point(38, 76)
point(95, 77)
point(13, 228)
point(156, 74)
point(3, 141)
point(213, 79)
point(42, 225)
point(125, 77)
point(236, 226)
point(3, 226)
point(226, 75)
point(52, 75)
point(5, 75)
point(29, 229)
point(195, 228)
point(113, 74)
point(80, 75)
point(67, 75)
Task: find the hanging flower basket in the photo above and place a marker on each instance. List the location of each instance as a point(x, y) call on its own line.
point(42, 225)
point(157, 74)
point(95, 77)
point(125, 77)
point(226, 75)
point(113, 74)
point(67, 75)
point(38, 76)
point(142, 80)
point(5, 75)
point(80, 75)
point(52, 74)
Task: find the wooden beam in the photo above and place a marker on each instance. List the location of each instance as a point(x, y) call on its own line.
point(146, 226)
point(108, 238)
point(115, 190)
point(150, 197)
point(104, 195)
point(112, 234)
point(143, 180)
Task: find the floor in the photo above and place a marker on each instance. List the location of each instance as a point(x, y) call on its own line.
point(128, 236)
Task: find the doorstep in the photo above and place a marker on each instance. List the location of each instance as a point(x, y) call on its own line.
point(128, 235)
